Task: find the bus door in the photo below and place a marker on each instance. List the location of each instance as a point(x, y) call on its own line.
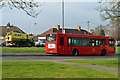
point(111, 48)
point(62, 45)
point(102, 44)
point(69, 48)
point(96, 48)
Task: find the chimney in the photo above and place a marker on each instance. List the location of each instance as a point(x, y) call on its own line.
point(57, 27)
point(79, 28)
point(8, 25)
point(63, 30)
point(92, 30)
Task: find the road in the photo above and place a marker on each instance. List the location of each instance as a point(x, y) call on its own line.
point(48, 57)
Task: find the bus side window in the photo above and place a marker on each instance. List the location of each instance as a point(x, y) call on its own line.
point(89, 42)
point(103, 41)
point(76, 41)
point(93, 43)
point(69, 41)
point(61, 41)
point(86, 42)
point(97, 43)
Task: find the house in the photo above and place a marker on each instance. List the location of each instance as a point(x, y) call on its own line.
point(8, 28)
point(57, 29)
point(93, 32)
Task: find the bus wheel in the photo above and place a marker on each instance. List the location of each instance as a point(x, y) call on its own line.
point(103, 53)
point(75, 52)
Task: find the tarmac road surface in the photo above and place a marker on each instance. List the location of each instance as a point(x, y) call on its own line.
point(50, 57)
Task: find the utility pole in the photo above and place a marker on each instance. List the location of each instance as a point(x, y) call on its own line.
point(88, 25)
point(63, 14)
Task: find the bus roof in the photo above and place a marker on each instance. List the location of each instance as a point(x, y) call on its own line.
point(82, 35)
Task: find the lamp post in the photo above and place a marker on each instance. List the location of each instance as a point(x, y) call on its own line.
point(88, 25)
point(62, 15)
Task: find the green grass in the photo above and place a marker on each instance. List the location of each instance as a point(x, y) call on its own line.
point(31, 49)
point(107, 62)
point(23, 49)
point(40, 69)
point(117, 49)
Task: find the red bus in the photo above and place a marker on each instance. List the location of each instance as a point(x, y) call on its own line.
point(78, 44)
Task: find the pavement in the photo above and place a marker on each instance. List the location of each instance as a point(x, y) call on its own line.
point(97, 67)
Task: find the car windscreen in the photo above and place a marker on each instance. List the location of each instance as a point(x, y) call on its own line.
point(51, 37)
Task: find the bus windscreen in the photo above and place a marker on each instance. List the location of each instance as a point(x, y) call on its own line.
point(51, 37)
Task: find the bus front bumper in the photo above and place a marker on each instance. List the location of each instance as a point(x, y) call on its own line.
point(54, 52)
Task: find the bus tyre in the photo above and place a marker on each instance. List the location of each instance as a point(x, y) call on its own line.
point(103, 53)
point(75, 52)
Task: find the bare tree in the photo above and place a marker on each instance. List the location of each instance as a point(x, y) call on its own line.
point(98, 29)
point(109, 10)
point(112, 30)
point(29, 6)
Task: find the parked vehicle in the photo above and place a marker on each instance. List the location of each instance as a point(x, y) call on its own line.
point(78, 44)
point(40, 43)
point(117, 44)
point(3, 44)
point(19, 39)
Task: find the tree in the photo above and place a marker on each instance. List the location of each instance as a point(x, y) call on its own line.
point(98, 29)
point(112, 30)
point(29, 6)
point(110, 10)
point(101, 33)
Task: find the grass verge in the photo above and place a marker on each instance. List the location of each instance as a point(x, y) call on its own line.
point(42, 69)
point(117, 49)
point(106, 62)
point(31, 49)
point(23, 49)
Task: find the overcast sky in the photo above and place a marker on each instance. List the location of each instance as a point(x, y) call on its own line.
point(76, 13)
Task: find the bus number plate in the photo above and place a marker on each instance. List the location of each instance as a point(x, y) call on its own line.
point(50, 51)
point(51, 45)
